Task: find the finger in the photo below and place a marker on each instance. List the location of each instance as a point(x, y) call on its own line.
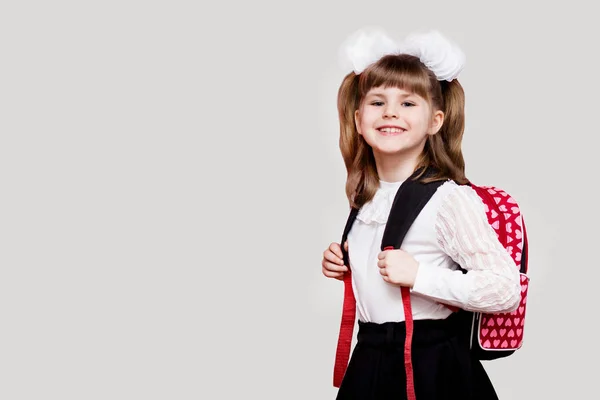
point(332, 274)
point(381, 263)
point(329, 256)
point(336, 249)
point(382, 255)
point(334, 267)
point(346, 245)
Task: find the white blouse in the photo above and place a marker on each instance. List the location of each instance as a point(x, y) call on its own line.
point(451, 230)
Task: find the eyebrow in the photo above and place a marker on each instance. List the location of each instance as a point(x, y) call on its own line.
point(381, 94)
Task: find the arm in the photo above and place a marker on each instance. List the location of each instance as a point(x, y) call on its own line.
point(491, 283)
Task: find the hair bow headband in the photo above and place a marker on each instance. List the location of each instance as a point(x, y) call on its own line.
point(366, 46)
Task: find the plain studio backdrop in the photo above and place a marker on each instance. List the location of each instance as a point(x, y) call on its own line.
point(170, 178)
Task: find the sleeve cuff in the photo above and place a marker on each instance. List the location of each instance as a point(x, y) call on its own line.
point(425, 281)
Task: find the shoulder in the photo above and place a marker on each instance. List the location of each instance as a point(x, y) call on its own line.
point(455, 200)
point(450, 192)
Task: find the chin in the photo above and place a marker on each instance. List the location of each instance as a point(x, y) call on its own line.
point(396, 151)
point(401, 146)
point(390, 149)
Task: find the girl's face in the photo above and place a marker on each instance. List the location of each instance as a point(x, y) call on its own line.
point(396, 122)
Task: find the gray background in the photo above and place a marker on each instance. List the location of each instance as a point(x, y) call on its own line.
point(170, 178)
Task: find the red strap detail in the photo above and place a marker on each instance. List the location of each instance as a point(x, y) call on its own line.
point(410, 380)
point(346, 327)
point(408, 317)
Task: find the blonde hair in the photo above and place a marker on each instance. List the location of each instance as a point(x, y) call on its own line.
point(442, 151)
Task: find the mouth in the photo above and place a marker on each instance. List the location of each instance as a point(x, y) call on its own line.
point(390, 130)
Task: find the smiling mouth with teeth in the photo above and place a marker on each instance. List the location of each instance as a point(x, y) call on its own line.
point(390, 130)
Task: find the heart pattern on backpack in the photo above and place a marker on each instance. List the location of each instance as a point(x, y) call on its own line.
point(506, 325)
point(509, 218)
point(504, 331)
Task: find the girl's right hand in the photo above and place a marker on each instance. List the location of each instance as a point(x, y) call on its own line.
point(333, 261)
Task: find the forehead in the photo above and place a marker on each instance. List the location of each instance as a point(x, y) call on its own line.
point(390, 91)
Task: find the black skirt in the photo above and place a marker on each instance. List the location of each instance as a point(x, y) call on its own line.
point(442, 362)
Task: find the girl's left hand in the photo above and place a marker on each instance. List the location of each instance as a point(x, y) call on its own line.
point(398, 267)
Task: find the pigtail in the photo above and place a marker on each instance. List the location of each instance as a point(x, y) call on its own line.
point(444, 149)
point(454, 125)
point(362, 178)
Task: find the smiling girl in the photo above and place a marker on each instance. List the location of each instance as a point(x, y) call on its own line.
point(401, 111)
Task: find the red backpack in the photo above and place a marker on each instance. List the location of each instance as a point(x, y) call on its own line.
point(500, 335)
point(492, 335)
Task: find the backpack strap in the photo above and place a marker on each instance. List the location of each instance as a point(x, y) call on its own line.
point(411, 198)
point(342, 354)
point(525, 251)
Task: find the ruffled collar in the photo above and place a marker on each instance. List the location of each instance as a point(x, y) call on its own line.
point(378, 209)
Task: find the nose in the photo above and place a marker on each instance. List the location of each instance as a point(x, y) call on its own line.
point(390, 111)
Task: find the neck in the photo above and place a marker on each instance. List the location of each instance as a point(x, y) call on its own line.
point(395, 168)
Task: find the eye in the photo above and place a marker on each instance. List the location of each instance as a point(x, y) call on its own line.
point(408, 104)
point(377, 103)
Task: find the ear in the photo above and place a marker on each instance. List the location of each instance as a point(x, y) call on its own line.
point(357, 121)
point(436, 122)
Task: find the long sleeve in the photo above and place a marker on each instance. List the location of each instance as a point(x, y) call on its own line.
point(491, 283)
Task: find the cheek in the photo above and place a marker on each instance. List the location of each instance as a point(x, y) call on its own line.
point(420, 121)
point(366, 120)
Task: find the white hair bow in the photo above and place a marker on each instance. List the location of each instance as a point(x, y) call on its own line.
point(368, 45)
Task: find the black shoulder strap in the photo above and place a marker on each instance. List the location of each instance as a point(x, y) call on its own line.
point(410, 199)
point(349, 222)
point(408, 203)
